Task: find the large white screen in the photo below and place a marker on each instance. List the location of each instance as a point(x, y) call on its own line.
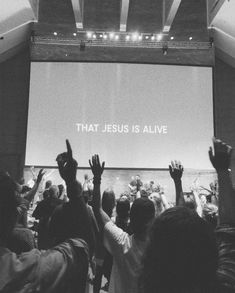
point(159, 113)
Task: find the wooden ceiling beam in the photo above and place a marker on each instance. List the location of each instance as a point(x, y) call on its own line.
point(124, 15)
point(78, 8)
point(170, 8)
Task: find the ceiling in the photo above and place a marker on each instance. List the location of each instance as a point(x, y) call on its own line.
point(181, 19)
point(143, 16)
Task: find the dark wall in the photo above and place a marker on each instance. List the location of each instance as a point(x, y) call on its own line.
point(225, 104)
point(14, 87)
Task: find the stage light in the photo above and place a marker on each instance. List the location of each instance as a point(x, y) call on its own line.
point(89, 34)
point(94, 36)
point(190, 38)
point(111, 36)
point(105, 36)
point(134, 36)
point(74, 34)
point(55, 33)
point(127, 38)
point(117, 37)
point(159, 37)
point(172, 38)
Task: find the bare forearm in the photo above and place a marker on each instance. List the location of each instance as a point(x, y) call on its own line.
point(226, 198)
point(30, 195)
point(101, 217)
point(179, 192)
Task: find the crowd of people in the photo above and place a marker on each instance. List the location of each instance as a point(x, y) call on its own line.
point(136, 242)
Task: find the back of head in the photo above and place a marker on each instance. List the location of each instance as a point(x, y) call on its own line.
point(123, 208)
point(141, 215)
point(48, 184)
point(54, 191)
point(8, 204)
point(108, 201)
point(181, 255)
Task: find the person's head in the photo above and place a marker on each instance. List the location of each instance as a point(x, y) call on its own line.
point(141, 215)
point(123, 207)
point(8, 204)
point(85, 195)
point(25, 189)
point(108, 201)
point(137, 177)
point(61, 189)
point(181, 255)
point(48, 184)
point(157, 200)
point(189, 200)
point(54, 191)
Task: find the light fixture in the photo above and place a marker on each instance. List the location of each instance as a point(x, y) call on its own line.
point(117, 37)
point(94, 36)
point(127, 37)
point(172, 38)
point(89, 34)
point(134, 36)
point(152, 38)
point(140, 37)
point(55, 33)
point(111, 36)
point(159, 37)
point(105, 36)
point(74, 34)
point(190, 38)
point(146, 37)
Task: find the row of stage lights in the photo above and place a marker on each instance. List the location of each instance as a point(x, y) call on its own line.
point(127, 37)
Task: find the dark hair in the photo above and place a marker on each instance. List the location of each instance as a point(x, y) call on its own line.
point(48, 184)
point(181, 255)
point(108, 201)
point(8, 212)
point(123, 208)
point(141, 214)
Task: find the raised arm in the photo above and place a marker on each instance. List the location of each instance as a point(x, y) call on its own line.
point(220, 159)
point(97, 170)
point(176, 171)
point(68, 169)
point(30, 195)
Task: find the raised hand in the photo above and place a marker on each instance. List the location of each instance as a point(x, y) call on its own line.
point(221, 156)
point(67, 164)
point(176, 170)
point(96, 168)
point(40, 175)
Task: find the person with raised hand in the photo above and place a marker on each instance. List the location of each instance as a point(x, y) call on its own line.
point(127, 250)
point(61, 269)
point(221, 158)
point(176, 172)
point(71, 218)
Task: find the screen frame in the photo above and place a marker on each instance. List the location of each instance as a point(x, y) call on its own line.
point(121, 62)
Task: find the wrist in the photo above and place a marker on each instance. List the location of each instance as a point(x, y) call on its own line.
point(96, 179)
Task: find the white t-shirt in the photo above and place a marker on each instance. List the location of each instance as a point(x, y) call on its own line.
point(127, 254)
